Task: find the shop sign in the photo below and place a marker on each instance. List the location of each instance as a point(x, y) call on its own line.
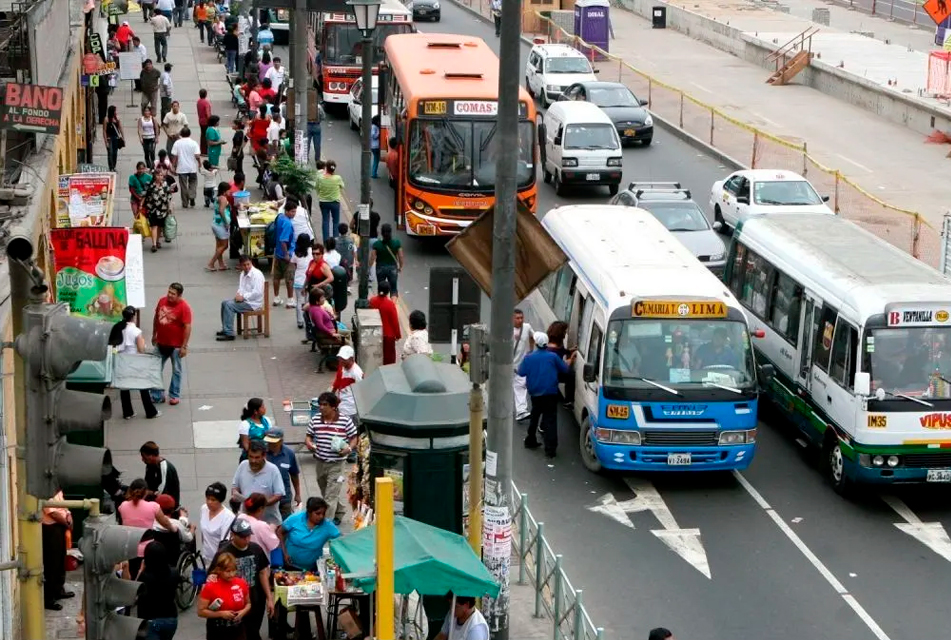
point(85, 200)
point(32, 108)
point(91, 270)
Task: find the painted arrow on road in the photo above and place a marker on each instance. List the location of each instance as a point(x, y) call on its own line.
point(684, 542)
point(930, 534)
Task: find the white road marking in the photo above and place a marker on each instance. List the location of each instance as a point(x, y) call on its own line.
point(701, 87)
point(930, 534)
point(610, 507)
point(853, 162)
point(849, 599)
point(765, 119)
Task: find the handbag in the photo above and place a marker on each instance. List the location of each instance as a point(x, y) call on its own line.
point(134, 371)
point(171, 228)
point(232, 163)
point(140, 225)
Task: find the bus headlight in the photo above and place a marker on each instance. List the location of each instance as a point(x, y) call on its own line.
point(614, 436)
point(569, 162)
point(893, 461)
point(878, 460)
point(615, 162)
point(737, 437)
point(419, 205)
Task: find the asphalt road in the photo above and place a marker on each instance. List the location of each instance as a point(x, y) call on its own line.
point(792, 561)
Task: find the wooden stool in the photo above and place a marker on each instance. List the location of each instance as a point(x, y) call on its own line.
point(263, 319)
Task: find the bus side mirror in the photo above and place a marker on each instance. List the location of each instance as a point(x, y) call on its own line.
point(588, 373)
point(862, 383)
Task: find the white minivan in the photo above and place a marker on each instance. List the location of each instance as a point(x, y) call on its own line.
point(580, 146)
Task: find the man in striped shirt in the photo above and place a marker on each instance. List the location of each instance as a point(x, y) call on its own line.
point(331, 437)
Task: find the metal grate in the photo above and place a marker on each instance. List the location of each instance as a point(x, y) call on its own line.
point(677, 437)
point(927, 460)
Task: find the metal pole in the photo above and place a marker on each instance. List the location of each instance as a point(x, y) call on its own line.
point(452, 321)
point(384, 559)
point(945, 228)
point(298, 44)
point(476, 408)
point(498, 490)
point(363, 291)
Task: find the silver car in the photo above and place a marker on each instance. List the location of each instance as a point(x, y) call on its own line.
point(675, 209)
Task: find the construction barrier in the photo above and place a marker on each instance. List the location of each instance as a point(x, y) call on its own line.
point(747, 144)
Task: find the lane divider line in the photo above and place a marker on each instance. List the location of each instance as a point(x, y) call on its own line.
point(814, 560)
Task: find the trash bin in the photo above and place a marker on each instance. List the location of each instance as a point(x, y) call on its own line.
point(659, 17)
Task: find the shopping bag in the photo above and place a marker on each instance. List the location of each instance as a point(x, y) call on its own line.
point(141, 226)
point(171, 228)
point(134, 371)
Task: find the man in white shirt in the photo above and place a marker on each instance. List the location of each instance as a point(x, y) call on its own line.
point(300, 219)
point(348, 373)
point(274, 129)
point(140, 48)
point(186, 155)
point(162, 28)
point(522, 331)
point(250, 297)
point(165, 7)
point(464, 622)
point(166, 89)
point(276, 75)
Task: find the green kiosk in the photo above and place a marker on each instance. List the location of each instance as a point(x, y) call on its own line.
point(417, 416)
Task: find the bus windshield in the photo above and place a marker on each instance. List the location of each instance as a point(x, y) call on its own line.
point(463, 153)
point(677, 354)
point(912, 362)
point(343, 43)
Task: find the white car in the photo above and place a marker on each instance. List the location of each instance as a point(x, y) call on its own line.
point(355, 108)
point(552, 68)
point(756, 192)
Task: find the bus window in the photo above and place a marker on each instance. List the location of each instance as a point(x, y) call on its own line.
point(787, 300)
point(824, 332)
point(843, 354)
point(594, 348)
point(757, 284)
point(584, 330)
point(738, 270)
point(564, 292)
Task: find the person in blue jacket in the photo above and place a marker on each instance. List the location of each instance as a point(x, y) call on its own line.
point(540, 370)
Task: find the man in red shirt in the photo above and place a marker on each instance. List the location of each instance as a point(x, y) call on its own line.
point(171, 330)
point(390, 319)
point(204, 112)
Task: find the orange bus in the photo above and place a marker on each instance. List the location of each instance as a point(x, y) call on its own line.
point(438, 111)
point(335, 47)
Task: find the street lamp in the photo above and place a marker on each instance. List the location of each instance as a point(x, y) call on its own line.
point(365, 12)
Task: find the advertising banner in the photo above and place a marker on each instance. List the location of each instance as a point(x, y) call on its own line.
point(85, 200)
point(91, 270)
point(31, 108)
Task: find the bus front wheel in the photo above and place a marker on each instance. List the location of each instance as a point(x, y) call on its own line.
point(835, 465)
point(589, 456)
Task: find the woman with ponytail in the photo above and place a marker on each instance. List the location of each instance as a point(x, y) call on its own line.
point(261, 532)
point(127, 338)
point(254, 424)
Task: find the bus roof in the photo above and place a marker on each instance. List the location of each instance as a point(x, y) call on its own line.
point(625, 253)
point(843, 262)
point(387, 7)
point(444, 65)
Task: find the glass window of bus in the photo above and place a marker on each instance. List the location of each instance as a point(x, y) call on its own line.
point(344, 44)
point(584, 330)
point(913, 361)
point(823, 348)
point(591, 136)
point(844, 347)
point(738, 270)
point(564, 293)
point(757, 284)
point(593, 355)
point(677, 352)
point(787, 301)
point(547, 287)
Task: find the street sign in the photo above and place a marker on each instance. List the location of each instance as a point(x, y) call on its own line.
point(32, 108)
point(455, 300)
point(939, 10)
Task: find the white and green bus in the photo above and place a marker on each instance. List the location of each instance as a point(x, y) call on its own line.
point(859, 334)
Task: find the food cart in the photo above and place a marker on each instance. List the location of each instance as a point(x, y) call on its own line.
point(253, 219)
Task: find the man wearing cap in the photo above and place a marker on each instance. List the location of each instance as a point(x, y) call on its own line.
point(257, 475)
point(540, 370)
point(255, 568)
point(284, 458)
point(348, 372)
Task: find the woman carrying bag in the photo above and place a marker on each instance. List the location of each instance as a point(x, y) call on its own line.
point(127, 338)
point(157, 205)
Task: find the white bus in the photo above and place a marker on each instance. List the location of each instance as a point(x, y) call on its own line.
point(664, 378)
point(859, 334)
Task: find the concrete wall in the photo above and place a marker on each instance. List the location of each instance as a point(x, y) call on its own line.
point(906, 110)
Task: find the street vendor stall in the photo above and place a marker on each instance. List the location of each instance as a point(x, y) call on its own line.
point(253, 219)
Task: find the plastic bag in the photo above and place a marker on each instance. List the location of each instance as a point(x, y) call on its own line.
point(171, 228)
point(140, 225)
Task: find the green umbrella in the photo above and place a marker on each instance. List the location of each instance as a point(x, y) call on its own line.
point(427, 560)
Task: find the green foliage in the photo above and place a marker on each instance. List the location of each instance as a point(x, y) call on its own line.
point(297, 179)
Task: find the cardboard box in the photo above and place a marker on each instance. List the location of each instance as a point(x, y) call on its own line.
point(350, 624)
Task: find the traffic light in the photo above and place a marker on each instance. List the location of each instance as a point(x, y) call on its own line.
point(52, 345)
point(103, 545)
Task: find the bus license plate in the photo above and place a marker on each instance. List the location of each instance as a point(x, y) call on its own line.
point(426, 230)
point(593, 176)
point(679, 459)
point(939, 475)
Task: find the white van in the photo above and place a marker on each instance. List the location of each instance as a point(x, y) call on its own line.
point(580, 146)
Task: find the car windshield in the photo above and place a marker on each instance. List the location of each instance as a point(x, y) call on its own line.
point(343, 43)
point(463, 154)
point(590, 136)
point(376, 95)
point(913, 362)
point(677, 354)
point(785, 193)
point(612, 97)
point(677, 216)
point(567, 64)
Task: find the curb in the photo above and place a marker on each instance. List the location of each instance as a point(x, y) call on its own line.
point(665, 124)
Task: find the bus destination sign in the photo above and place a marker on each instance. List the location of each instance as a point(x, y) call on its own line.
point(918, 315)
point(678, 309)
point(466, 108)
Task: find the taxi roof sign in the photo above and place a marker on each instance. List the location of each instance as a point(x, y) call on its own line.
point(679, 309)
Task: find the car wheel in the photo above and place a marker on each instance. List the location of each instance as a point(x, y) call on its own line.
point(559, 187)
point(528, 87)
point(647, 141)
point(718, 215)
point(547, 176)
point(436, 19)
point(612, 189)
point(588, 455)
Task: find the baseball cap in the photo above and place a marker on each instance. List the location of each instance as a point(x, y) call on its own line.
point(346, 352)
point(541, 339)
point(241, 527)
point(274, 435)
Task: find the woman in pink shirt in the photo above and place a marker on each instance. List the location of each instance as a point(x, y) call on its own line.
point(136, 511)
point(261, 532)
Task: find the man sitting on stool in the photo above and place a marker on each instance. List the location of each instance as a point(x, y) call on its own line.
point(250, 297)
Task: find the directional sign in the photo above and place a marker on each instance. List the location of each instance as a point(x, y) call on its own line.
point(684, 542)
point(930, 534)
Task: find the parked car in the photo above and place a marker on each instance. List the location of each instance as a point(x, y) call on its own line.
point(629, 115)
point(424, 9)
point(675, 209)
point(755, 192)
point(355, 107)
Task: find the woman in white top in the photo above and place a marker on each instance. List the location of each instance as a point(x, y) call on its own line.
point(127, 338)
point(148, 136)
point(301, 258)
point(215, 521)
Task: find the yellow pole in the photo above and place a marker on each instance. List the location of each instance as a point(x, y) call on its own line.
point(384, 559)
point(476, 408)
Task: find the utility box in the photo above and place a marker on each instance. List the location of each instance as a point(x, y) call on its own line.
point(659, 17)
point(593, 24)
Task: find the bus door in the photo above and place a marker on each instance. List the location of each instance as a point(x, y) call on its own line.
point(811, 308)
point(590, 348)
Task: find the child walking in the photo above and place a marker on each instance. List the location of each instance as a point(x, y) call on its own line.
point(210, 174)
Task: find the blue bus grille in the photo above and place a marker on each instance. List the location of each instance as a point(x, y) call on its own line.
point(927, 460)
point(679, 438)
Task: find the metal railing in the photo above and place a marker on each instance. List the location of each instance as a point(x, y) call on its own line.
point(541, 567)
point(907, 11)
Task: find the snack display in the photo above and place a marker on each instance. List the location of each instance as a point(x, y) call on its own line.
point(292, 578)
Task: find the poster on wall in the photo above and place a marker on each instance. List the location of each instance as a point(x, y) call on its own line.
point(397, 476)
point(85, 200)
point(97, 274)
